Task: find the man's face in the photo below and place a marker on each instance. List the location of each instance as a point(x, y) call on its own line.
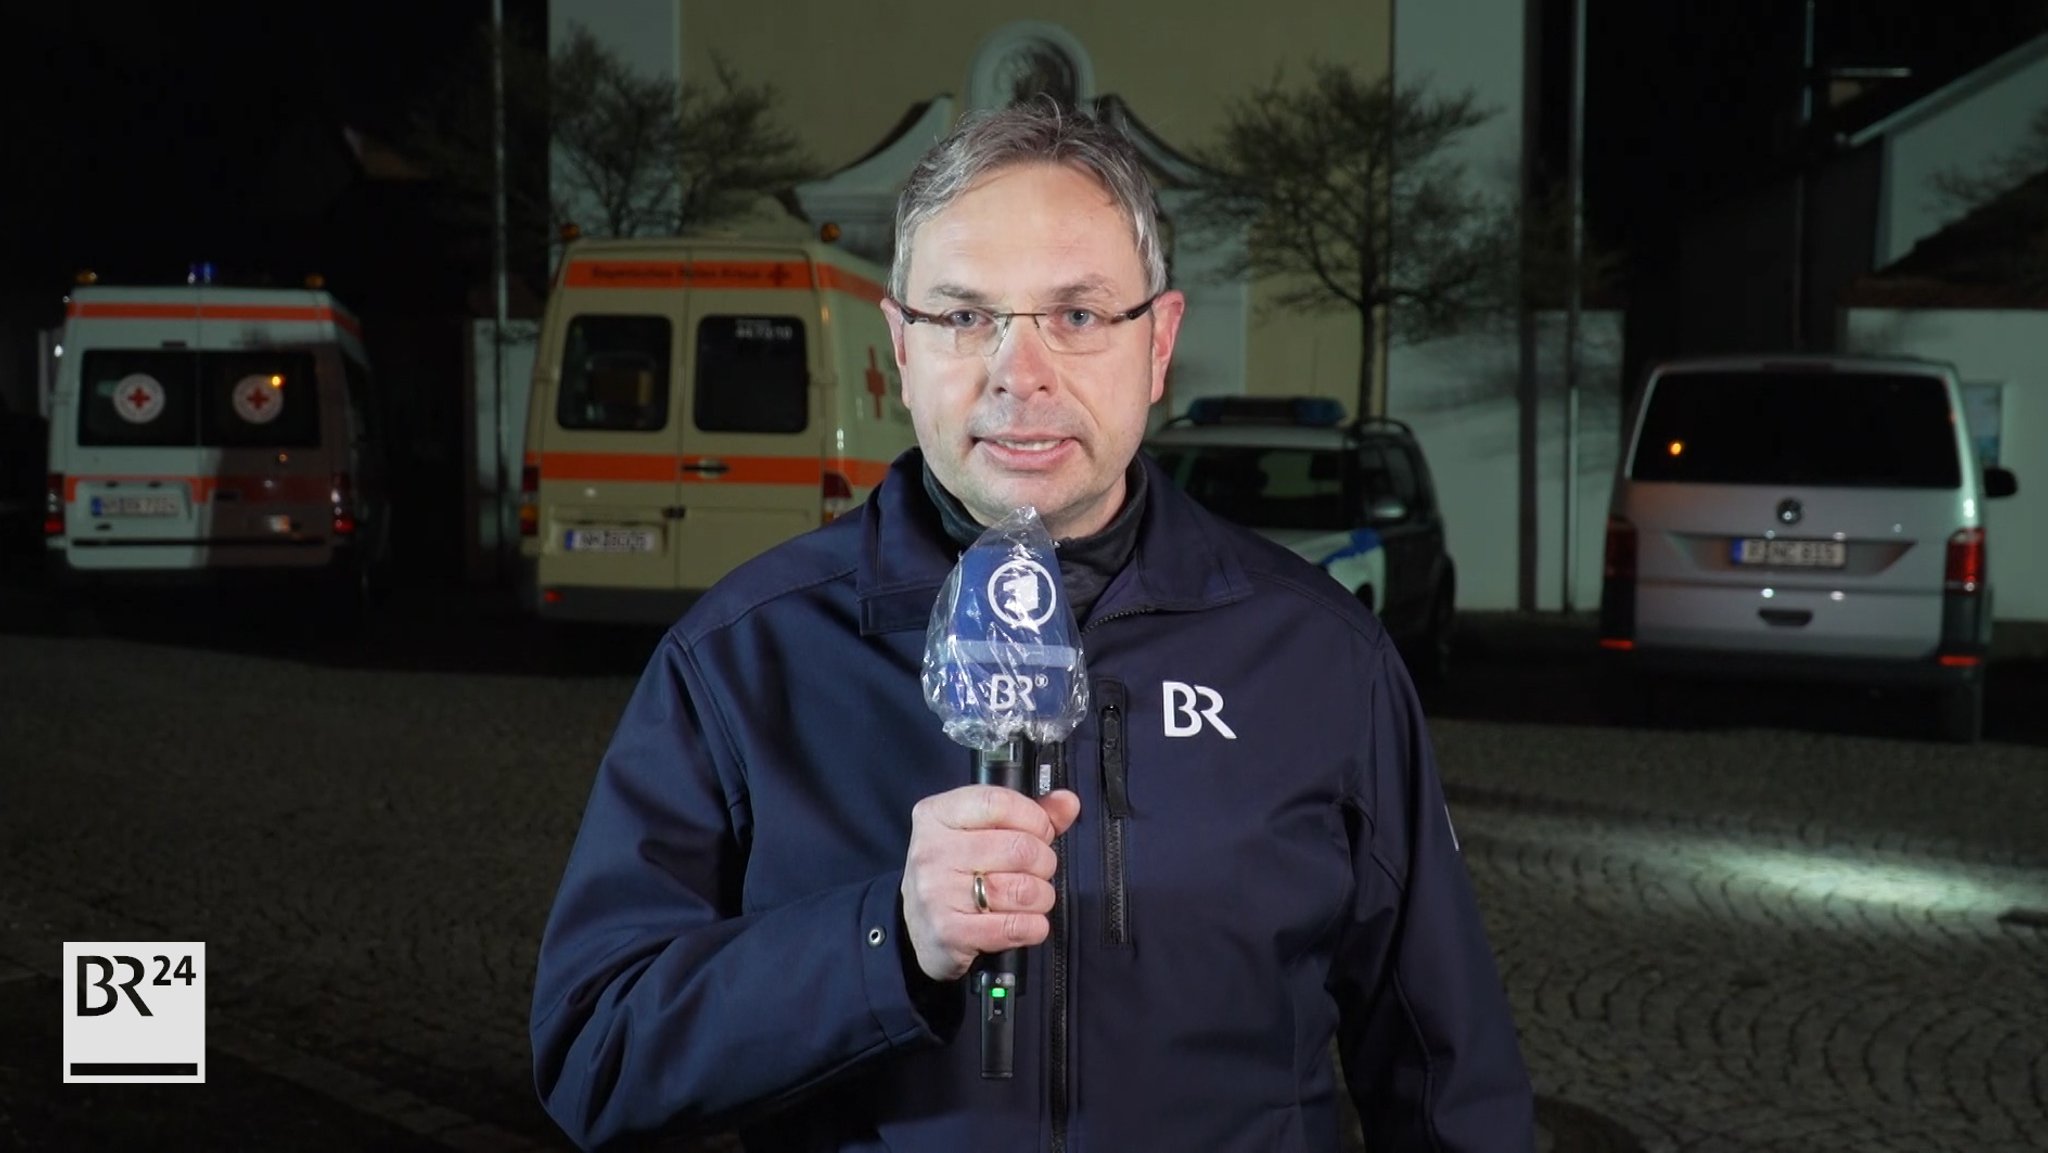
point(1024, 425)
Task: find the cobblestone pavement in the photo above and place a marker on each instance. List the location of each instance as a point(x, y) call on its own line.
point(1745, 932)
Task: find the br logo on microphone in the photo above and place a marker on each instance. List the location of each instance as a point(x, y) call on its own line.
point(135, 1012)
point(1002, 657)
point(1007, 692)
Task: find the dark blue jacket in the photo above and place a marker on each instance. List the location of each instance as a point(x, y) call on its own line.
point(1263, 860)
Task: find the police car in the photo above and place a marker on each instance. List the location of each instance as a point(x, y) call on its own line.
point(1353, 497)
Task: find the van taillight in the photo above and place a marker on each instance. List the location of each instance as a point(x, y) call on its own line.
point(529, 500)
point(1966, 561)
point(837, 494)
point(53, 506)
point(1618, 587)
point(342, 496)
point(1621, 550)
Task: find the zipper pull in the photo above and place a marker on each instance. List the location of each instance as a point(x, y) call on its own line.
point(1116, 786)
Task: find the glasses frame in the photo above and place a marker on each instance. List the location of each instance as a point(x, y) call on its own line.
point(1003, 321)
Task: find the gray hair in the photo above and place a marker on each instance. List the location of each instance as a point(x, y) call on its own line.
point(1036, 131)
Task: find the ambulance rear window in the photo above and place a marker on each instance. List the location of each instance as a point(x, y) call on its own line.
point(752, 375)
point(138, 399)
point(615, 374)
point(259, 399)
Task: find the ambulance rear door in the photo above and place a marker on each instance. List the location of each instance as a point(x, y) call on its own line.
point(609, 495)
point(751, 440)
point(267, 429)
point(136, 488)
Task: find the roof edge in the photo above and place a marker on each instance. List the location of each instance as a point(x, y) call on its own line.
point(1968, 84)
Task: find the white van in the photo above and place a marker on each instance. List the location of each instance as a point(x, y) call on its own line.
point(1813, 517)
point(203, 433)
point(695, 401)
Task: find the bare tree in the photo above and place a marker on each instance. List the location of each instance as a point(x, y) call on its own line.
point(614, 136)
point(645, 155)
point(1349, 193)
point(731, 150)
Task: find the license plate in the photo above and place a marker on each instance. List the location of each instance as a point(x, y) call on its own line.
point(1791, 553)
point(135, 506)
point(610, 540)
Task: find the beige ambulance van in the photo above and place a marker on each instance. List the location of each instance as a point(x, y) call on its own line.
point(205, 434)
point(695, 401)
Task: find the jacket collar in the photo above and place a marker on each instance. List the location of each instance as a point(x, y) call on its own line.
point(1182, 560)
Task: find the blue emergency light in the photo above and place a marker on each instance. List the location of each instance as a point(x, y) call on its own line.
point(199, 273)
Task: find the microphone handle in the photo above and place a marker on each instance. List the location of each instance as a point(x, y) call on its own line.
point(999, 977)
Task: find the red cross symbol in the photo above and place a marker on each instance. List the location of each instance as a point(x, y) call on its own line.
point(876, 383)
point(257, 398)
point(778, 273)
point(140, 396)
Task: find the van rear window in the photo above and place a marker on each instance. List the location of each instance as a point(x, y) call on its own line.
point(165, 398)
point(1842, 429)
point(752, 375)
point(615, 374)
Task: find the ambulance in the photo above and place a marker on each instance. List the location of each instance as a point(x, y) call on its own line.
point(695, 401)
point(203, 434)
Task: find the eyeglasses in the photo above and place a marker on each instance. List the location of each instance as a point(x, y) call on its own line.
point(1069, 328)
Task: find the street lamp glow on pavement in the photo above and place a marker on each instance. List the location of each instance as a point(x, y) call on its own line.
point(1949, 887)
point(1735, 870)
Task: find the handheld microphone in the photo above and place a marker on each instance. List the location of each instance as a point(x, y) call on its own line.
point(1004, 671)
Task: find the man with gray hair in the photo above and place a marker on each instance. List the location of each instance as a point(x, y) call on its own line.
point(1242, 854)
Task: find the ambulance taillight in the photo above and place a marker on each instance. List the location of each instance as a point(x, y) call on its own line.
point(837, 494)
point(342, 497)
point(529, 500)
point(53, 506)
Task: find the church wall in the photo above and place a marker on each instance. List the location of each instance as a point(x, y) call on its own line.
point(845, 81)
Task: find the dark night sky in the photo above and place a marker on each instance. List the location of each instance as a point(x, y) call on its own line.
point(137, 131)
point(1689, 100)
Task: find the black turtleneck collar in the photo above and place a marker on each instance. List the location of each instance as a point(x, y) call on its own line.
point(1087, 564)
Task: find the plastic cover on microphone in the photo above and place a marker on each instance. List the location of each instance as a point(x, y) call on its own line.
point(1002, 655)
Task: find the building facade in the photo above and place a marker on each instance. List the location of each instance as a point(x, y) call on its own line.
point(867, 95)
point(868, 90)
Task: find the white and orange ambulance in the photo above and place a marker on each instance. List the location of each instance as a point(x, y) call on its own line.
point(203, 433)
point(695, 401)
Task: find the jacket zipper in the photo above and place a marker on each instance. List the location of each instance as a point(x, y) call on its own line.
point(1116, 807)
point(1057, 954)
point(1060, 1090)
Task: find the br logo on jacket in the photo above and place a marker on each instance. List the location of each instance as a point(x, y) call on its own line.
point(1184, 719)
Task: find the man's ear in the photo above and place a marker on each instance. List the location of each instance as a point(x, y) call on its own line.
point(1167, 312)
point(892, 312)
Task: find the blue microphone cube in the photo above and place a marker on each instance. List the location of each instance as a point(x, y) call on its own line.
point(1003, 655)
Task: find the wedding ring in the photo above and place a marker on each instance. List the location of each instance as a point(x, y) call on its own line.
point(980, 892)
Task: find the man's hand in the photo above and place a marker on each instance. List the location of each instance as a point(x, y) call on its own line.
point(1007, 838)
